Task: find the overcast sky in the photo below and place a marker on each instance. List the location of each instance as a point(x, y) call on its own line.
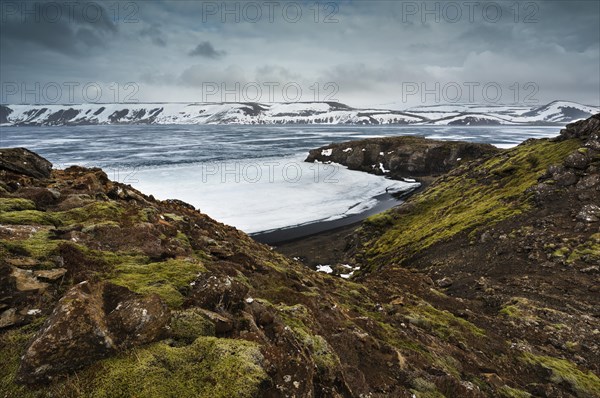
point(389, 53)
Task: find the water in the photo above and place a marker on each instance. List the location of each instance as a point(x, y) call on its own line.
point(252, 177)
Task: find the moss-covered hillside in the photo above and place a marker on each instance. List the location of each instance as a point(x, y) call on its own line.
point(106, 292)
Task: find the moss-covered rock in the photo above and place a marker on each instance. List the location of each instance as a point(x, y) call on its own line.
point(584, 383)
point(209, 367)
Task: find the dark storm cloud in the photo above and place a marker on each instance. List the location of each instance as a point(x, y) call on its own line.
point(372, 49)
point(56, 26)
point(205, 49)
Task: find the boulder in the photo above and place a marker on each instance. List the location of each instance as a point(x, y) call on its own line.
point(90, 322)
point(577, 160)
point(217, 292)
point(133, 319)
point(23, 161)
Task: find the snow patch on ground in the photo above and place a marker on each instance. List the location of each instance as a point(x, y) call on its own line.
point(324, 268)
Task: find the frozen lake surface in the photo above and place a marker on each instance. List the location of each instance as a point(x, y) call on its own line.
point(251, 177)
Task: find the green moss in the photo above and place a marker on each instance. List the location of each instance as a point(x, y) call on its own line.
point(209, 368)
point(169, 279)
point(190, 324)
point(588, 251)
point(561, 252)
point(28, 217)
point(172, 217)
point(509, 392)
point(298, 319)
point(511, 311)
point(12, 345)
point(464, 200)
point(92, 213)
point(380, 220)
point(91, 228)
point(37, 245)
point(423, 388)
point(15, 204)
point(584, 384)
point(442, 323)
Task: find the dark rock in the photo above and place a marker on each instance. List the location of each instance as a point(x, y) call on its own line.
point(583, 129)
point(50, 275)
point(217, 292)
point(134, 319)
point(577, 160)
point(9, 318)
point(75, 335)
point(444, 282)
point(402, 156)
point(23, 161)
point(90, 322)
point(588, 182)
point(42, 197)
point(589, 213)
point(26, 281)
point(565, 179)
point(223, 323)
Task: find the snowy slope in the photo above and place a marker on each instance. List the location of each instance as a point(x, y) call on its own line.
point(557, 112)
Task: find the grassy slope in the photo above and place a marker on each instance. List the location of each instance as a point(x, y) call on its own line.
point(480, 193)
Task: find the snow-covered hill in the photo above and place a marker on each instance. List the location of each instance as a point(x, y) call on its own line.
point(557, 112)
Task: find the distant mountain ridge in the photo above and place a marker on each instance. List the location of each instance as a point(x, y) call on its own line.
point(556, 112)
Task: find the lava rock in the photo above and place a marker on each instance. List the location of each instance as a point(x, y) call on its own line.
point(577, 160)
point(217, 292)
point(588, 182)
point(444, 282)
point(26, 281)
point(23, 161)
point(50, 275)
point(90, 322)
point(589, 213)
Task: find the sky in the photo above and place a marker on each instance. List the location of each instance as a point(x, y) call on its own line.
point(395, 54)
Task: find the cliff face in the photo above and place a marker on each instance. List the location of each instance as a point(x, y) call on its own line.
point(402, 157)
point(482, 285)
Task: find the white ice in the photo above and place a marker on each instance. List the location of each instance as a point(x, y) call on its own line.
point(262, 194)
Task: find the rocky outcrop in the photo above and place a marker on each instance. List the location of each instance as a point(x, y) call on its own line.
point(25, 162)
point(90, 322)
point(402, 157)
point(578, 173)
point(588, 129)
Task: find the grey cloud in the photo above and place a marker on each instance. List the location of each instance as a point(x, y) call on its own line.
point(205, 49)
point(155, 34)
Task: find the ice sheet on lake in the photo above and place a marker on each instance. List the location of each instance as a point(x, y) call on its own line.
point(267, 193)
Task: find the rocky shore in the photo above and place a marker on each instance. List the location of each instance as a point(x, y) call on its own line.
point(402, 157)
point(485, 284)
